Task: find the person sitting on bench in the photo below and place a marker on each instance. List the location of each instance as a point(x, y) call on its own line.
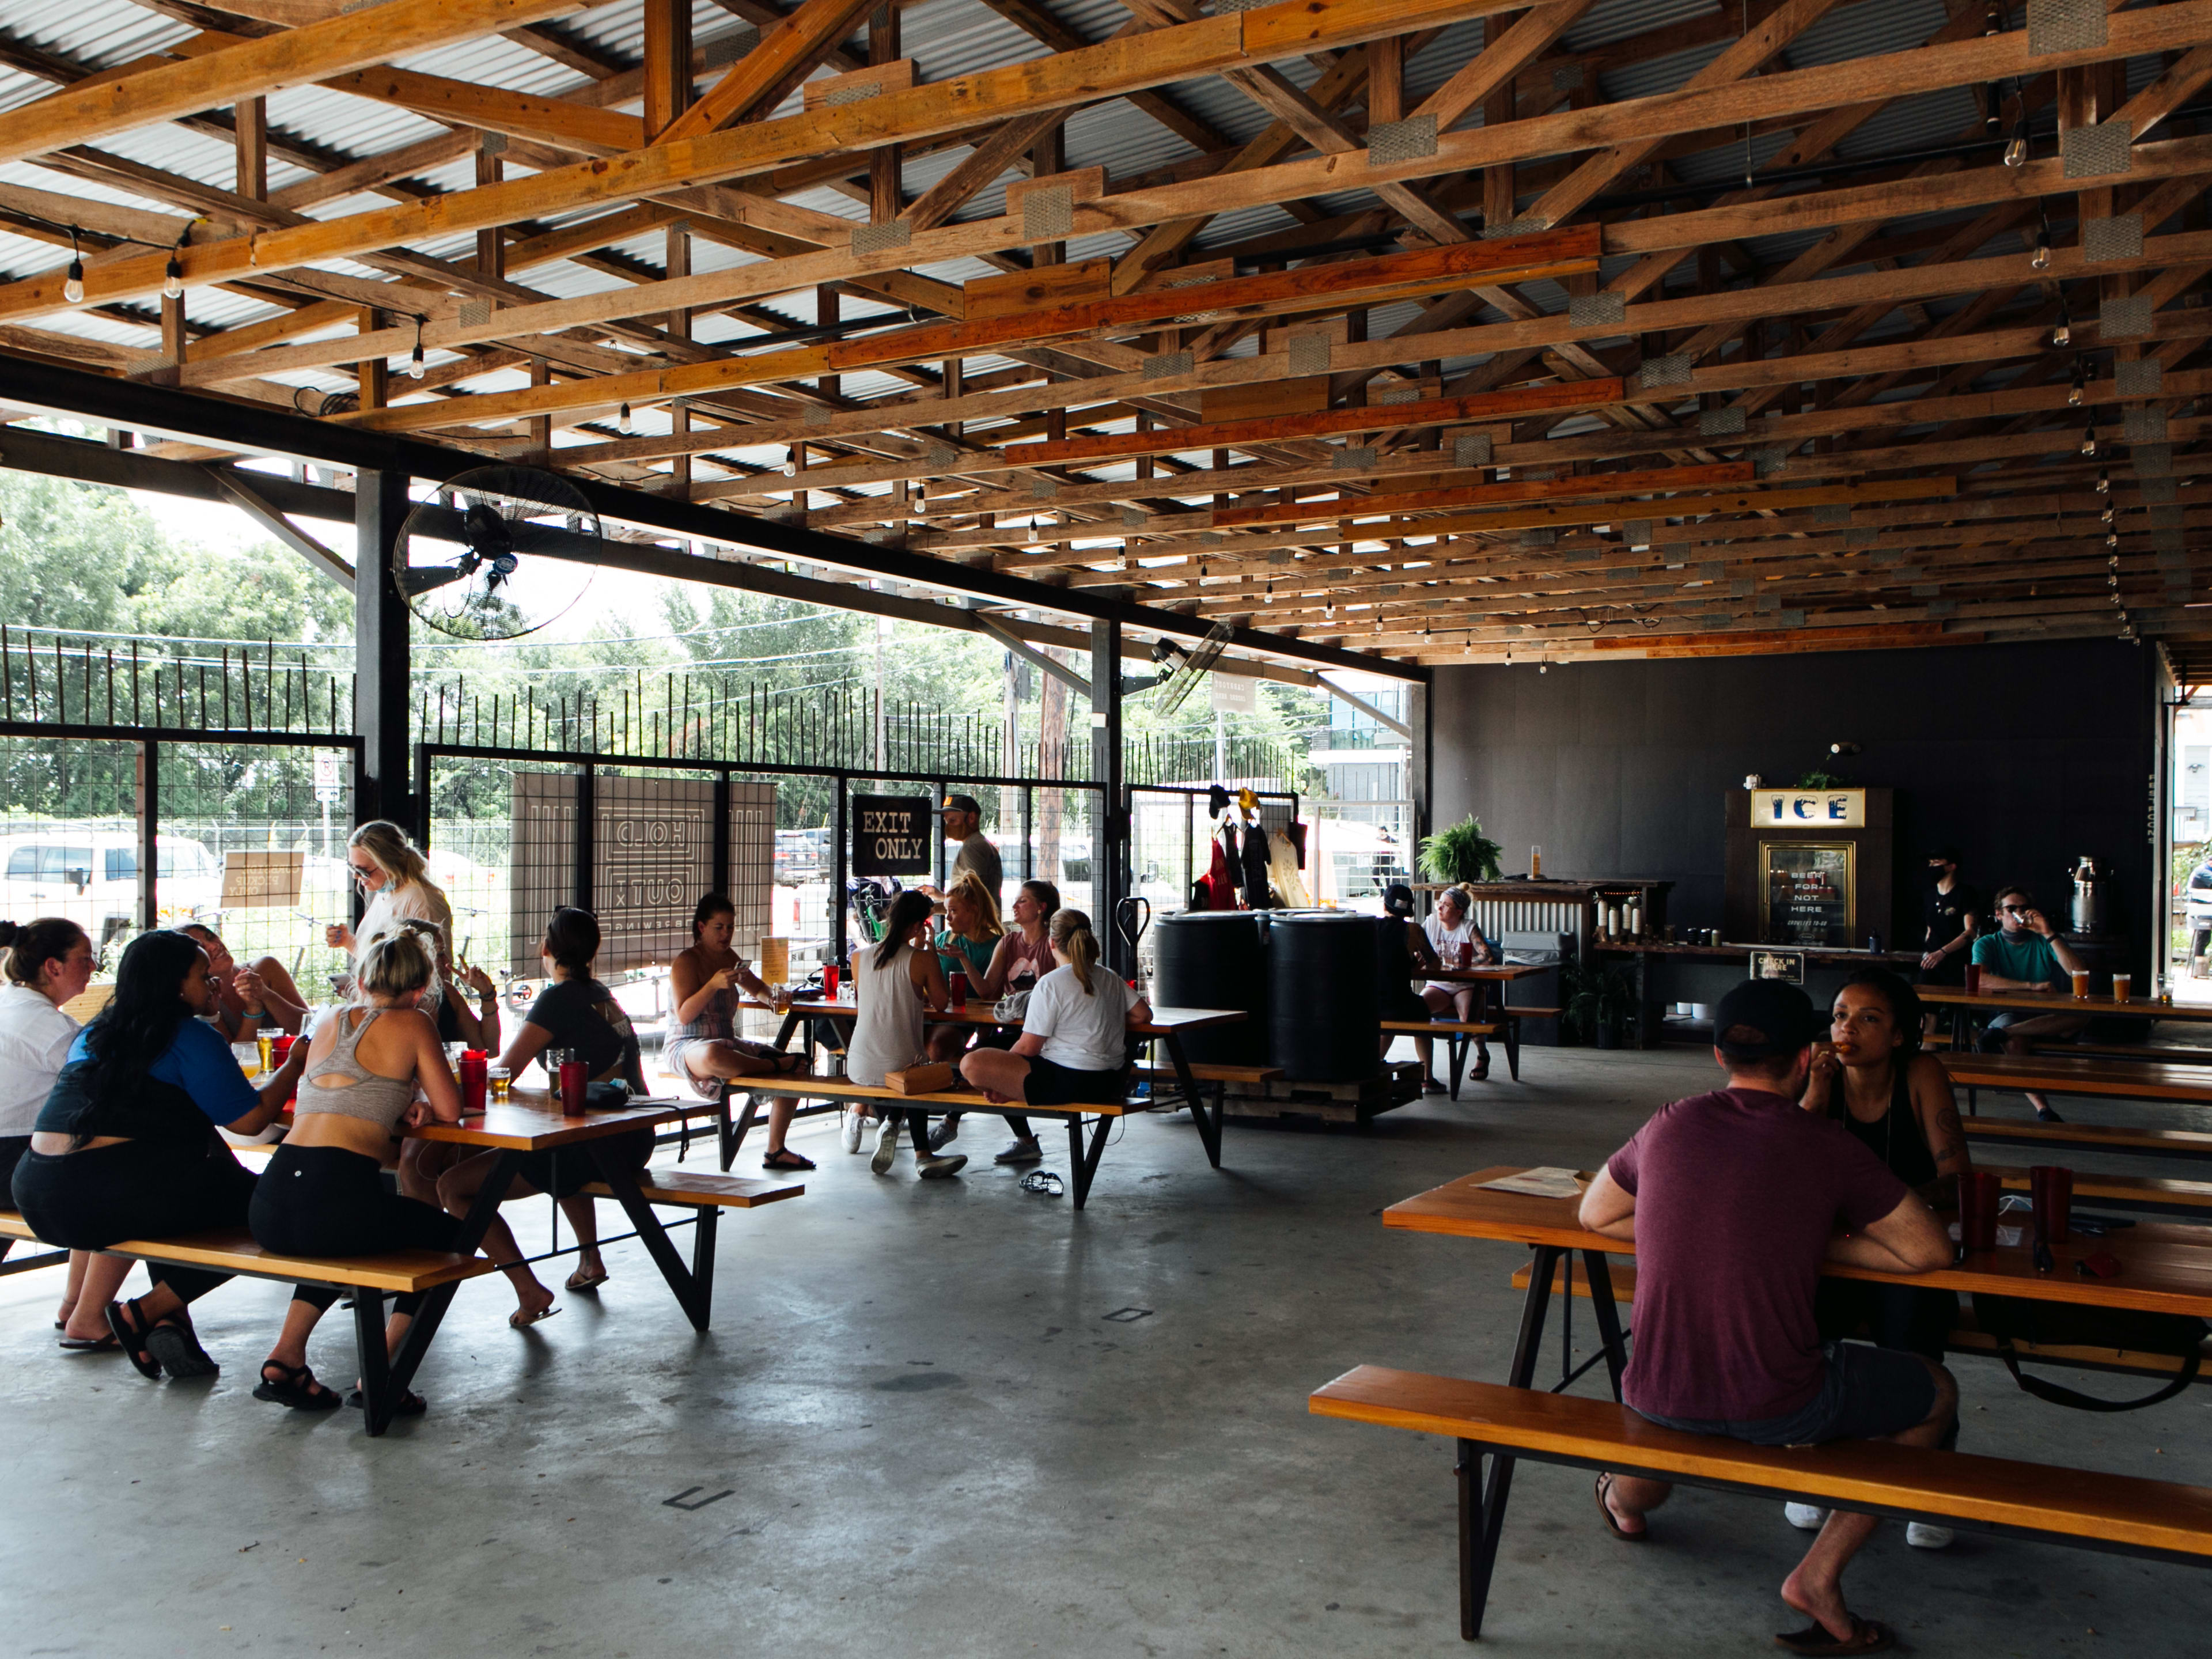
point(1449, 926)
point(322, 1193)
point(1400, 1001)
point(1074, 1045)
point(125, 1146)
point(2025, 954)
point(1022, 957)
point(1733, 1200)
point(245, 998)
point(703, 1047)
point(892, 983)
point(577, 1015)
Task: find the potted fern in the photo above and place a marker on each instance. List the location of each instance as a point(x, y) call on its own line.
point(1461, 853)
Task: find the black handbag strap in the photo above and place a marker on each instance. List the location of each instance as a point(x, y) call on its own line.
point(2059, 1395)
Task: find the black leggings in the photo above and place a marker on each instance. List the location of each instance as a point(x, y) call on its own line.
point(325, 1200)
point(91, 1199)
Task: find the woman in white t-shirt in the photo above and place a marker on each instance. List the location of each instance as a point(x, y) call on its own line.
point(893, 984)
point(388, 868)
point(1074, 1045)
point(1451, 925)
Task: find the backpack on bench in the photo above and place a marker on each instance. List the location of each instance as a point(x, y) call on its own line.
point(2011, 1319)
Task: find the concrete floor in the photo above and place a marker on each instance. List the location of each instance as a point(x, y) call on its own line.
point(935, 1441)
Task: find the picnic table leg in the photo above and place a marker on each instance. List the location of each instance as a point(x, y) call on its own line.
point(1209, 1127)
point(1085, 1164)
point(378, 1398)
point(1511, 1021)
point(694, 1296)
point(1600, 1275)
point(742, 1127)
point(1455, 1049)
point(1482, 1517)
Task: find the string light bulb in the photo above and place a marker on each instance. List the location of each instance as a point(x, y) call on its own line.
point(173, 278)
point(415, 364)
point(73, 283)
point(2110, 514)
point(622, 423)
point(2112, 540)
point(2104, 481)
point(2074, 392)
point(2089, 441)
point(2063, 335)
point(2041, 257)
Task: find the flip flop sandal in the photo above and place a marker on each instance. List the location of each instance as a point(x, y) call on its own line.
point(784, 1158)
point(89, 1344)
point(130, 1338)
point(580, 1280)
point(1867, 1635)
point(296, 1389)
point(1612, 1526)
point(518, 1320)
point(412, 1406)
point(180, 1352)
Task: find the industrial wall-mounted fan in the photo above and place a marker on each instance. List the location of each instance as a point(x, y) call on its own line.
point(497, 553)
point(1181, 671)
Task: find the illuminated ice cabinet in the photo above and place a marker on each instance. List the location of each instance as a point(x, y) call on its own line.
point(1809, 867)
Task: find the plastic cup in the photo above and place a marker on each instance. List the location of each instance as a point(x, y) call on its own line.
point(2081, 981)
point(1973, 979)
point(1979, 1194)
point(499, 1080)
point(575, 1078)
point(829, 981)
point(2051, 1189)
point(962, 991)
point(280, 1049)
point(474, 1069)
point(2123, 987)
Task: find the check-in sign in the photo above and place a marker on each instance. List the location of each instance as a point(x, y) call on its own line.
point(891, 834)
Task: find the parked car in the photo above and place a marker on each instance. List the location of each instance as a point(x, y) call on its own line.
point(801, 855)
point(92, 878)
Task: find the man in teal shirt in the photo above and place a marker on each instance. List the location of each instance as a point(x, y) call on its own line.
point(2027, 954)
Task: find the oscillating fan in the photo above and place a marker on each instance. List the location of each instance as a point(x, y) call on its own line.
point(1178, 679)
point(497, 553)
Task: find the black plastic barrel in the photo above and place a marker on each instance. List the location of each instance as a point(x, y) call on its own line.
point(1322, 996)
point(1214, 959)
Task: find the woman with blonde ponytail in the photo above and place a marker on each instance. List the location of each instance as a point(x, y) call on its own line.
point(1074, 1045)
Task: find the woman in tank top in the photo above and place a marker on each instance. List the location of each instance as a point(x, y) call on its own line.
point(1024, 956)
point(702, 1047)
point(1871, 1077)
point(892, 984)
point(322, 1193)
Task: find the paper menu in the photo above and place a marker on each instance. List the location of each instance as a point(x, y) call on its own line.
point(1548, 1182)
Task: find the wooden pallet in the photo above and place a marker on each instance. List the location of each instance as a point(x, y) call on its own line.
point(1392, 1086)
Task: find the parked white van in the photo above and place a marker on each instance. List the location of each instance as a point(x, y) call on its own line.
point(92, 878)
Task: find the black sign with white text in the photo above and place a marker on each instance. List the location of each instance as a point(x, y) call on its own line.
point(891, 834)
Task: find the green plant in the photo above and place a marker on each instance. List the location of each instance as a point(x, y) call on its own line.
point(1818, 780)
point(1596, 1004)
point(1461, 853)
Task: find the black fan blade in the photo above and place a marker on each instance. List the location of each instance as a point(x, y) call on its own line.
point(424, 579)
point(485, 531)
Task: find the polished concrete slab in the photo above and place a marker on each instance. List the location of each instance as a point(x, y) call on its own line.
point(955, 1418)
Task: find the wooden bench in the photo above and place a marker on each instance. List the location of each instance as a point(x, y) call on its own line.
point(1250, 1077)
point(2085, 1508)
point(2107, 1080)
point(2090, 1137)
point(2175, 1052)
point(919, 1109)
point(432, 1275)
point(1458, 1033)
point(1965, 1337)
point(706, 1195)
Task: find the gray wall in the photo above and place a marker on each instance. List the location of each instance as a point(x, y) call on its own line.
point(2025, 755)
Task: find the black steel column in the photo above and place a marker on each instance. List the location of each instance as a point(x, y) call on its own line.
point(1419, 783)
point(838, 847)
point(150, 837)
point(721, 879)
point(380, 619)
point(587, 826)
point(1109, 841)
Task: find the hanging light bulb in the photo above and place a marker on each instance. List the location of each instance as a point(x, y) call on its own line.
point(2041, 257)
point(415, 364)
point(2015, 153)
point(73, 283)
point(2063, 335)
point(1993, 22)
point(2112, 540)
point(2110, 514)
point(622, 421)
point(2089, 441)
point(2104, 482)
point(2074, 391)
point(173, 278)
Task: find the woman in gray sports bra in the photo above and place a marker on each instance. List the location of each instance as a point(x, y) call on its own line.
point(323, 1193)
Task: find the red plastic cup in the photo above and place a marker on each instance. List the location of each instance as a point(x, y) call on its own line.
point(829, 981)
point(476, 1074)
point(575, 1078)
point(280, 1049)
point(1979, 1194)
point(961, 990)
point(2050, 1188)
point(1467, 953)
point(1973, 979)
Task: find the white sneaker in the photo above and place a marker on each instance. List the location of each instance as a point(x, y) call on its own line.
point(934, 1167)
point(886, 1148)
point(1805, 1516)
point(1922, 1536)
point(849, 1130)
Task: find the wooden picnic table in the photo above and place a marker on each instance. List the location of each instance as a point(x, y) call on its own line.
point(1166, 1024)
point(531, 1121)
point(2062, 1002)
point(2070, 1074)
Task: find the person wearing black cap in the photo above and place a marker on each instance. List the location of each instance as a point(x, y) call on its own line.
point(1400, 1001)
point(964, 823)
point(1734, 1200)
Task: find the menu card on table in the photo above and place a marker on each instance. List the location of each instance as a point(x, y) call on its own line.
point(1545, 1182)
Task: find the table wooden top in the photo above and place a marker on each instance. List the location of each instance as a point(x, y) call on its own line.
point(530, 1121)
point(1493, 973)
point(2102, 1004)
point(1164, 1022)
point(2164, 1269)
point(2067, 1074)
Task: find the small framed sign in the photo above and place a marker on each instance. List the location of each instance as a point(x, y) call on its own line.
point(891, 834)
point(1788, 966)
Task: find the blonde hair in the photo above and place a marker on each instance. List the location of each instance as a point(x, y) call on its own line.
point(1071, 937)
point(397, 857)
point(396, 964)
point(971, 887)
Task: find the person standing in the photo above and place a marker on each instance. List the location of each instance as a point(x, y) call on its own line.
point(1734, 1199)
point(389, 869)
point(964, 824)
point(1953, 912)
point(2027, 954)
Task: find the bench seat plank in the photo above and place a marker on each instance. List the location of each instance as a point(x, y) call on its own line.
point(2094, 1137)
point(233, 1249)
point(701, 1187)
point(1213, 1073)
point(2072, 1075)
point(959, 1100)
point(1445, 1027)
point(1963, 1487)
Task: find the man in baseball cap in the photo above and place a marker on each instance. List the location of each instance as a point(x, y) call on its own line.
point(964, 823)
point(1735, 1199)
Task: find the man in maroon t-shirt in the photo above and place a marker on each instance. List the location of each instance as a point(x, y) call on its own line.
point(1734, 1199)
